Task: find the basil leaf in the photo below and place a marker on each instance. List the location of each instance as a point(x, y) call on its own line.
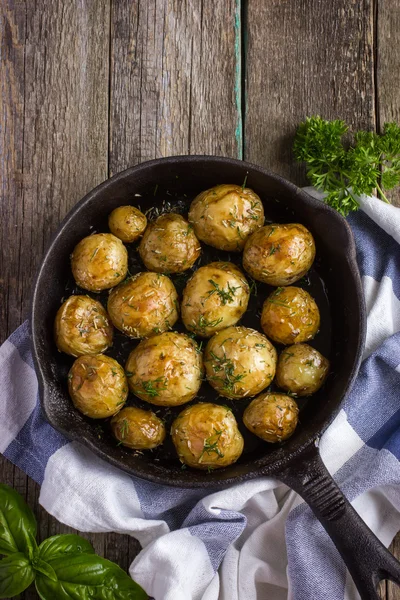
point(17, 523)
point(86, 576)
point(16, 574)
point(41, 566)
point(64, 545)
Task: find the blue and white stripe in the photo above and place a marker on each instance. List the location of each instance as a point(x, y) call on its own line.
point(230, 545)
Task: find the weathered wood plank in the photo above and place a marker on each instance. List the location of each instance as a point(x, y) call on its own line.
point(388, 70)
point(175, 84)
point(12, 86)
point(175, 72)
point(393, 590)
point(53, 145)
point(305, 58)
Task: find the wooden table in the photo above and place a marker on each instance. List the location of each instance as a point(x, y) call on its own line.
point(91, 87)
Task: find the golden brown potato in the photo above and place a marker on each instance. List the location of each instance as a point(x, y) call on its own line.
point(301, 370)
point(127, 223)
point(138, 429)
point(272, 417)
point(82, 327)
point(99, 262)
point(290, 315)
point(166, 369)
point(97, 385)
point(144, 305)
point(169, 245)
point(214, 298)
point(279, 254)
point(225, 215)
point(239, 362)
point(206, 436)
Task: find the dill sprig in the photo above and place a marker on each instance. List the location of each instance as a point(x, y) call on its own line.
point(225, 295)
point(211, 445)
point(226, 367)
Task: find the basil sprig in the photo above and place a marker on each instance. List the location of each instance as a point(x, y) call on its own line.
point(63, 567)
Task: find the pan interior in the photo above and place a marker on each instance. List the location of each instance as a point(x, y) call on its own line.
point(167, 186)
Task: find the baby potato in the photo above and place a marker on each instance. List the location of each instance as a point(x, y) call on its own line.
point(225, 215)
point(127, 223)
point(138, 429)
point(214, 298)
point(144, 305)
point(279, 254)
point(169, 245)
point(239, 362)
point(97, 385)
point(165, 369)
point(99, 262)
point(82, 327)
point(290, 315)
point(301, 370)
point(206, 436)
point(272, 417)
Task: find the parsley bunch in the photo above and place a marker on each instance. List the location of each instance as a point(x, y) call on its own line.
point(371, 162)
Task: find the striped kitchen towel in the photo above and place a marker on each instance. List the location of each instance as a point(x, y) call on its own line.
point(257, 540)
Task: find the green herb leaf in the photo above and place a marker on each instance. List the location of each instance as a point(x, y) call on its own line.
point(64, 545)
point(372, 162)
point(86, 576)
point(16, 574)
point(17, 524)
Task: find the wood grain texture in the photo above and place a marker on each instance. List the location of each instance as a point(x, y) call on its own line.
point(388, 70)
point(175, 80)
point(305, 57)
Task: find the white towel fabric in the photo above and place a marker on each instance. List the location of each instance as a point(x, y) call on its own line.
point(257, 540)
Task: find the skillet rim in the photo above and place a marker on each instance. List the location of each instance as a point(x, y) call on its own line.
point(179, 479)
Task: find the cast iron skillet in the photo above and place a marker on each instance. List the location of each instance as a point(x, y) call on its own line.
point(335, 283)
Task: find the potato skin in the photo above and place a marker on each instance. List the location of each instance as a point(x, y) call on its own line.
point(272, 417)
point(301, 370)
point(169, 245)
point(99, 262)
point(225, 215)
point(127, 223)
point(239, 362)
point(166, 369)
point(290, 316)
point(214, 298)
point(97, 385)
point(82, 327)
point(138, 429)
point(279, 254)
point(144, 305)
point(206, 436)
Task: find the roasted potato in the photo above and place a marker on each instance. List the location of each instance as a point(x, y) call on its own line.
point(206, 436)
point(225, 215)
point(138, 429)
point(82, 327)
point(301, 370)
point(272, 417)
point(127, 223)
point(144, 305)
point(169, 245)
point(279, 254)
point(99, 262)
point(97, 385)
point(215, 297)
point(290, 315)
point(239, 362)
point(166, 369)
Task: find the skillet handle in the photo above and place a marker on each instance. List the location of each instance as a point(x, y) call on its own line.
point(366, 558)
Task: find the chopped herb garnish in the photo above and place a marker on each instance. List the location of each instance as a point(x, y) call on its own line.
point(244, 182)
point(151, 390)
point(211, 445)
point(124, 428)
point(225, 364)
point(225, 295)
